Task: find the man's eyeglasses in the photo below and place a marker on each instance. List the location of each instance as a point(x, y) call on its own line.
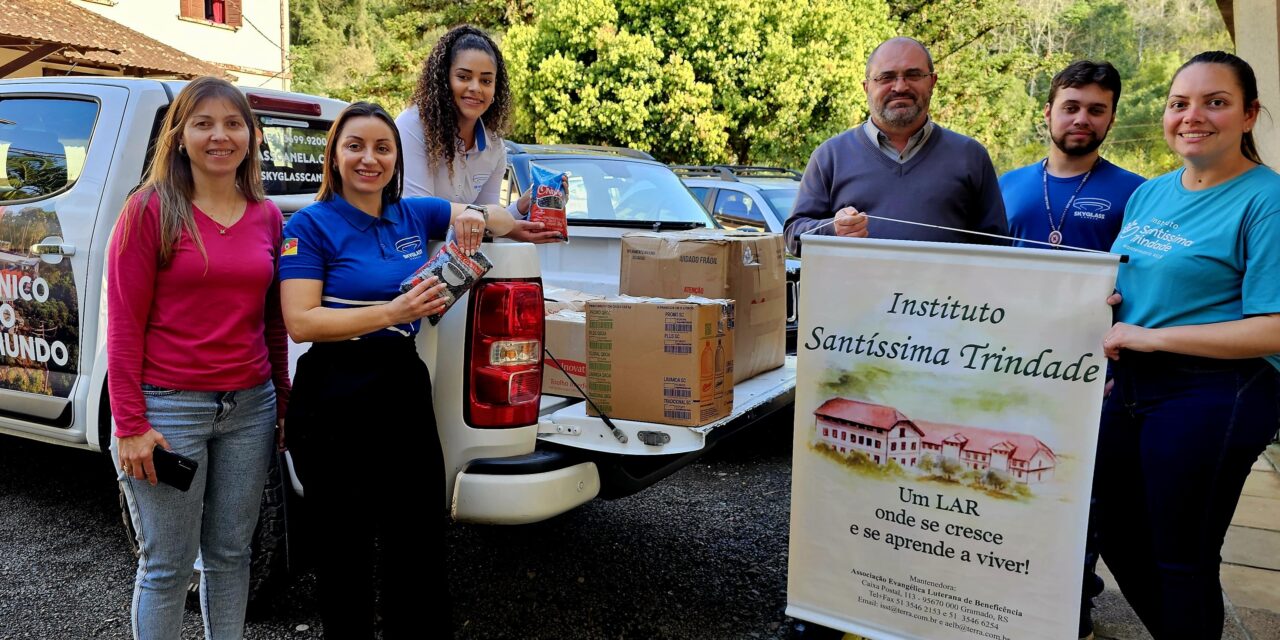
point(912, 77)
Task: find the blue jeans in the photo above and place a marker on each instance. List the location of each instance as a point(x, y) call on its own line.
point(230, 434)
point(1178, 437)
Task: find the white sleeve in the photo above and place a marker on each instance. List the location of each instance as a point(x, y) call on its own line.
point(490, 192)
point(418, 180)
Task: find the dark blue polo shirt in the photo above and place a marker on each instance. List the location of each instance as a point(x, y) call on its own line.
point(362, 259)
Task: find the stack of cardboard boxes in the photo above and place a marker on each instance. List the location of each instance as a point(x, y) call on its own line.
point(699, 312)
point(565, 340)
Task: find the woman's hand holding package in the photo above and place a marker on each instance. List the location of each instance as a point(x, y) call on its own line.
point(418, 302)
point(468, 229)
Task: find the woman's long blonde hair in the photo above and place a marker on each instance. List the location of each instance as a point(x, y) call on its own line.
point(170, 176)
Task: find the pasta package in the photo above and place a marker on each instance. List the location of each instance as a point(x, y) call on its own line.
point(548, 201)
point(457, 270)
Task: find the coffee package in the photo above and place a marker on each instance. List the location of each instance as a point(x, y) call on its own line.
point(457, 270)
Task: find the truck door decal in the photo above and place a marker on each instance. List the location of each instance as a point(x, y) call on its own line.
point(39, 314)
point(44, 143)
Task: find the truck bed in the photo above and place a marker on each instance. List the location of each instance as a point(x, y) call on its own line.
point(570, 425)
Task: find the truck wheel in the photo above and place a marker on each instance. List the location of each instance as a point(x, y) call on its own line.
point(268, 564)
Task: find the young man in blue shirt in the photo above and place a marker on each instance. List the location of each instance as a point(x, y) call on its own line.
point(1073, 197)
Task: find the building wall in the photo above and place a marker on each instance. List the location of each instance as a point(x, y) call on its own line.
point(1257, 26)
point(253, 55)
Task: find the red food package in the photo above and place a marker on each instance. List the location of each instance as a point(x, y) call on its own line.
point(548, 201)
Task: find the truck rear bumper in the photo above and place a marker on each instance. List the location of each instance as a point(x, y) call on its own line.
point(523, 489)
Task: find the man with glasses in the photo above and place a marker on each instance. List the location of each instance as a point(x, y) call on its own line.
point(899, 165)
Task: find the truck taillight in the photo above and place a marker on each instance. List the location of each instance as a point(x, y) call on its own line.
point(283, 105)
point(504, 361)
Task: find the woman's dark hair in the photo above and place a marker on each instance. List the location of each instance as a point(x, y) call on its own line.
point(434, 98)
point(1248, 82)
point(331, 183)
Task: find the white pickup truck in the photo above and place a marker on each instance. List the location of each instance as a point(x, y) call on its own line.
point(72, 149)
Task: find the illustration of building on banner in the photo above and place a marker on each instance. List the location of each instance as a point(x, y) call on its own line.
point(885, 434)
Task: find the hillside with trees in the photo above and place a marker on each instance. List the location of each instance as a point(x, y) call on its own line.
point(749, 82)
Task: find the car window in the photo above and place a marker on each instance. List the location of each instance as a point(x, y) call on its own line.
point(781, 201)
point(622, 189)
point(736, 210)
point(700, 193)
point(43, 142)
point(292, 153)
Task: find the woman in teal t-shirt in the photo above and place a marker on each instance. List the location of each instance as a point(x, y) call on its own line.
point(1195, 349)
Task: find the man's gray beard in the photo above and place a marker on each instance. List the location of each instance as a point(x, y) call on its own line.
point(899, 117)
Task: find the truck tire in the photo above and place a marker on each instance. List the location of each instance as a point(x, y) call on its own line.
point(268, 564)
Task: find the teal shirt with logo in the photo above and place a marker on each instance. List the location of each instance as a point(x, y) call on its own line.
point(1201, 257)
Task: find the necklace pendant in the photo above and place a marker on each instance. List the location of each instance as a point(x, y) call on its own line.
point(1055, 237)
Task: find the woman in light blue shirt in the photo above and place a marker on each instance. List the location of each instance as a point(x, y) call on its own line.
point(1195, 350)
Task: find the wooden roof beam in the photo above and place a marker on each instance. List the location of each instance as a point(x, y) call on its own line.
point(35, 55)
point(1227, 9)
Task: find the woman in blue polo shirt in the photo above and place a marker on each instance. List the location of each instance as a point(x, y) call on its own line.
point(341, 265)
point(1196, 383)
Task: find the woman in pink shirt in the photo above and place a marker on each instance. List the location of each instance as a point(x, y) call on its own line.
point(197, 357)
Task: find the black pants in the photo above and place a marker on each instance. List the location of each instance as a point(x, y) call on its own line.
point(362, 431)
point(1178, 437)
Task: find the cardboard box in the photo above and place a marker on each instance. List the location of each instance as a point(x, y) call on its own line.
point(566, 339)
point(664, 361)
point(748, 268)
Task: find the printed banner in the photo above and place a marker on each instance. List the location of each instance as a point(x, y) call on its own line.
point(39, 321)
point(947, 409)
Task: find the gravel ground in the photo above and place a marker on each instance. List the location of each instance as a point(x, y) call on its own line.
point(700, 555)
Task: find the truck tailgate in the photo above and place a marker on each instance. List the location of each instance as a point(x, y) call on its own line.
point(572, 427)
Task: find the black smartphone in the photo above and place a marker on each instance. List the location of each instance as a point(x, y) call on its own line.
point(174, 469)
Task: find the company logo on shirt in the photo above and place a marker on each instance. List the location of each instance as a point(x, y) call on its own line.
point(1091, 208)
point(410, 247)
point(478, 180)
point(1154, 237)
point(289, 247)
point(1128, 230)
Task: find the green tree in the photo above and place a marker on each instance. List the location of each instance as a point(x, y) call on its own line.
point(330, 44)
point(982, 79)
point(928, 462)
point(950, 467)
point(996, 479)
point(694, 80)
point(367, 49)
